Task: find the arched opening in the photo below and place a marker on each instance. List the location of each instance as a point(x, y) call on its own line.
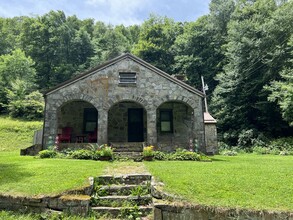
point(127, 122)
point(175, 125)
point(79, 119)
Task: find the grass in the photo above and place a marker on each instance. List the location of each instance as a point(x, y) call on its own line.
point(245, 181)
point(25, 175)
point(16, 134)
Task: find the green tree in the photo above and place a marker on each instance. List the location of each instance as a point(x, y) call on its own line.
point(255, 53)
point(157, 36)
point(59, 45)
point(14, 66)
point(109, 44)
point(282, 90)
point(22, 103)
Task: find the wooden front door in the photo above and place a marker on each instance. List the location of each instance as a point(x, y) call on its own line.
point(135, 125)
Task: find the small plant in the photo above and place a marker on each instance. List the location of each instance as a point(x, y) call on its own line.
point(82, 154)
point(159, 155)
point(139, 191)
point(47, 154)
point(284, 153)
point(106, 151)
point(100, 191)
point(148, 151)
point(261, 150)
point(130, 212)
point(229, 153)
point(182, 154)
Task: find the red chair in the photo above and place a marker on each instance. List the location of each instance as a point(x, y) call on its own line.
point(92, 137)
point(66, 135)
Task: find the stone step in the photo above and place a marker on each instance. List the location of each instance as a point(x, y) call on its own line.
point(128, 147)
point(125, 190)
point(118, 201)
point(128, 155)
point(130, 179)
point(121, 211)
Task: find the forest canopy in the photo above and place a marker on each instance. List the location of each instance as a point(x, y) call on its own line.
point(243, 48)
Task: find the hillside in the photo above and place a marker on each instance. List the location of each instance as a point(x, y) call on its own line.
point(16, 134)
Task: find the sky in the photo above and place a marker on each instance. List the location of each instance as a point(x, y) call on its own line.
point(126, 12)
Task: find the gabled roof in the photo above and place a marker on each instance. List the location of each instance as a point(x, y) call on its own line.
point(118, 59)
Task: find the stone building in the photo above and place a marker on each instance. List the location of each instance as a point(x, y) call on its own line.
point(127, 101)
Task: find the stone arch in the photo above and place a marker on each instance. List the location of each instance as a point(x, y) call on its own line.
point(175, 124)
point(75, 97)
point(80, 115)
point(182, 99)
point(127, 122)
point(126, 98)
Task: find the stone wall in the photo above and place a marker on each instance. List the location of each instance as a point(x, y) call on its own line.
point(211, 139)
point(32, 150)
point(200, 212)
point(75, 202)
point(101, 88)
point(182, 127)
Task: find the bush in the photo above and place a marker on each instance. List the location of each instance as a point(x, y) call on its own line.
point(182, 154)
point(229, 153)
point(83, 154)
point(106, 151)
point(261, 150)
point(245, 138)
point(158, 155)
point(282, 144)
point(47, 154)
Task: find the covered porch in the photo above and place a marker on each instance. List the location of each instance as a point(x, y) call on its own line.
point(77, 122)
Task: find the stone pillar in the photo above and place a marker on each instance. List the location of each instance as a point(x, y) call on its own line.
point(102, 127)
point(152, 127)
point(50, 128)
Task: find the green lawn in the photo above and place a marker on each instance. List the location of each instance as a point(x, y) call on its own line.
point(246, 181)
point(28, 175)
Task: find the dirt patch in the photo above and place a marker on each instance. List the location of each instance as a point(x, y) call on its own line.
point(122, 168)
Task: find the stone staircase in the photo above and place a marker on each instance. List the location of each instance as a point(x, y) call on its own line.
point(122, 196)
point(129, 150)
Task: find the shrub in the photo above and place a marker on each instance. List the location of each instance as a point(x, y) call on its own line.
point(159, 155)
point(182, 154)
point(282, 144)
point(229, 153)
point(106, 151)
point(47, 154)
point(245, 138)
point(82, 154)
point(261, 150)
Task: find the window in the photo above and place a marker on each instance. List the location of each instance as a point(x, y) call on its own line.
point(166, 121)
point(90, 120)
point(127, 78)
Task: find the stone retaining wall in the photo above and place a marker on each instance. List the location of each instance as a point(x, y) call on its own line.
point(75, 202)
point(199, 212)
point(72, 204)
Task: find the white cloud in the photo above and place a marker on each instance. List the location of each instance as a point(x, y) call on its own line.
point(127, 12)
point(120, 11)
